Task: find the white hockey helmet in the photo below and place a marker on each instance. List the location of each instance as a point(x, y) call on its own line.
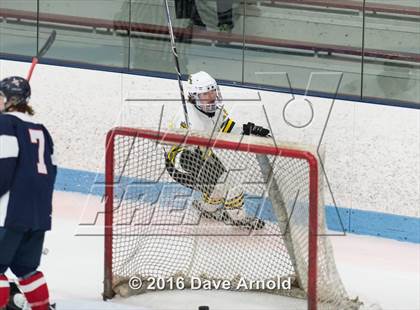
point(202, 83)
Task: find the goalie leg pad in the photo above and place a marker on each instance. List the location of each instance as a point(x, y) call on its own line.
point(239, 217)
point(224, 198)
point(4, 291)
point(234, 208)
point(234, 203)
point(234, 198)
point(35, 290)
point(212, 206)
point(206, 168)
point(195, 170)
point(218, 214)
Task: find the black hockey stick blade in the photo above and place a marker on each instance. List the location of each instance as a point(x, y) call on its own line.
point(47, 44)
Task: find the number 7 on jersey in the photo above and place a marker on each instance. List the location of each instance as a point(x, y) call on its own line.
point(37, 137)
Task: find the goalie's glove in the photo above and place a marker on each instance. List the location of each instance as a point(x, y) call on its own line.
point(252, 129)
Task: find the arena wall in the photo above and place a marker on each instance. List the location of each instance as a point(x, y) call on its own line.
point(372, 151)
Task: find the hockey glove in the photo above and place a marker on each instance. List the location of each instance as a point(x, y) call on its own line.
point(252, 129)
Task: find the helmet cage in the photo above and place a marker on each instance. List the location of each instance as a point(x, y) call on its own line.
point(198, 88)
point(209, 107)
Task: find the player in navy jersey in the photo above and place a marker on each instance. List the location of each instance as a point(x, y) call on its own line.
point(27, 176)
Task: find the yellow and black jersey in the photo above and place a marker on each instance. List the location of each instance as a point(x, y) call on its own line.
point(199, 121)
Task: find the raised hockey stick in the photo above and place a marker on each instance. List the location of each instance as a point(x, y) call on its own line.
point(41, 53)
point(175, 53)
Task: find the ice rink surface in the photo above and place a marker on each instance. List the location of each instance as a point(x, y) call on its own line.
point(379, 271)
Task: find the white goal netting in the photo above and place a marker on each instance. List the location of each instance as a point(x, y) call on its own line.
point(154, 232)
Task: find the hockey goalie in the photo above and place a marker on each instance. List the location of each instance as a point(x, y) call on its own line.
point(200, 168)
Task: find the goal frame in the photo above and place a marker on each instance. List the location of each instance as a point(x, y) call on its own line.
point(191, 139)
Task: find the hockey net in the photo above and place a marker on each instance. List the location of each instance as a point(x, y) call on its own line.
point(153, 233)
